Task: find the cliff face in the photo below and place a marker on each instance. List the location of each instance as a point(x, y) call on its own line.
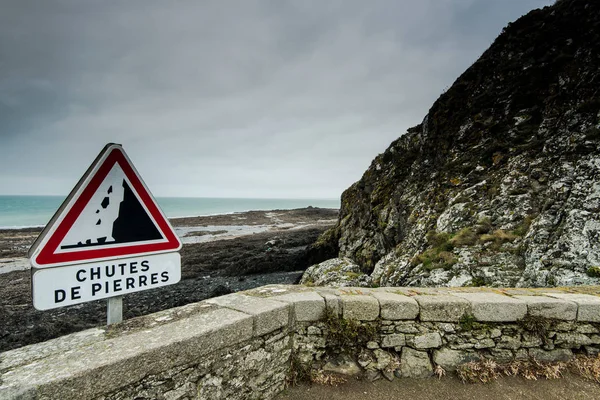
point(500, 183)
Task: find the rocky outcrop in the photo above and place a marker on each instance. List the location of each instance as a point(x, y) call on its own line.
point(338, 272)
point(500, 183)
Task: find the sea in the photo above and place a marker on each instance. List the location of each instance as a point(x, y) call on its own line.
point(32, 211)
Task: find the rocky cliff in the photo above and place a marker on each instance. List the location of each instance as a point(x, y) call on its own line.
point(500, 183)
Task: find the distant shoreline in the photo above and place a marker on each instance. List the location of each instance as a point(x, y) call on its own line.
point(14, 243)
point(24, 212)
point(180, 218)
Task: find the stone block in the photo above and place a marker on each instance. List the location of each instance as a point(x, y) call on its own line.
point(395, 306)
point(551, 355)
point(485, 344)
point(268, 315)
point(360, 307)
point(406, 327)
point(549, 307)
point(365, 358)
point(586, 328)
point(521, 354)
point(509, 342)
point(313, 330)
point(342, 365)
point(442, 308)
point(493, 307)
point(428, 341)
point(450, 359)
point(531, 339)
point(588, 306)
point(415, 364)
point(384, 359)
point(332, 302)
point(564, 326)
point(447, 327)
point(372, 345)
point(502, 355)
point(183, 392)
point(394, 340)
point(126, 359)
point(307, 306)
point(31, 353)
point(592, 351)
point(571, 340)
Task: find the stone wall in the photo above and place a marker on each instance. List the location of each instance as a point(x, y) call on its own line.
point(248, 345)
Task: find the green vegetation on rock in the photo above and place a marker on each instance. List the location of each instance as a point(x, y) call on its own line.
point(345, 334)
point(513, 141)
point(593, 272)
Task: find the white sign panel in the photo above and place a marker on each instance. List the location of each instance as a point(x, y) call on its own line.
point(74, 284)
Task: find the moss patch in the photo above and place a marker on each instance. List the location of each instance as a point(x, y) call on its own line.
point(593, 272)
point(469, 323)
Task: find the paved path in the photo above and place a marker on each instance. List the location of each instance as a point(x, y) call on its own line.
point(450, 388)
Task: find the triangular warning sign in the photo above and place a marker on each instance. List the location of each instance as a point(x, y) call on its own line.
point(109, 214)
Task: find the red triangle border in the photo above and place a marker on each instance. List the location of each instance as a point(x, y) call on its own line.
point(47, 255)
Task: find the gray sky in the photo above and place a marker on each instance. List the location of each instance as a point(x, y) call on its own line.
point(226, 98)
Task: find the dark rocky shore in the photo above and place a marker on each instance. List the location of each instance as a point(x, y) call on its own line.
point(209, 269)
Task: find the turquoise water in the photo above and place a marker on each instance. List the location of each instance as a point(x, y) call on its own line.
point(23, 211)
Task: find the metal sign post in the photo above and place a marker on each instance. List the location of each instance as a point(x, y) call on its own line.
point(114, 310)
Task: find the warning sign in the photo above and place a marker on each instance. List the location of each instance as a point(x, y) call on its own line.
point(110, 214)
point(108, 238)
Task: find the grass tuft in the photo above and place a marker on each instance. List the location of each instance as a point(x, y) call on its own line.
point(464, 237)
point(498, 238)
point(593, 272)
point(467, 322)
point(539, 326)
point(299, 372)
point(344, 334)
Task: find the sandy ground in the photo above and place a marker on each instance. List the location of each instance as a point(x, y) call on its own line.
point(221, 263)
point(450, 388)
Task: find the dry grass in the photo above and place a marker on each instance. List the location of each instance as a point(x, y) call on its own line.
point(488, 370)
point(504, 235)
point(498, 238)
point(499, 235)
point(439, 371)
point(587, 367)
point(322, 378)
point(534, 370)
point(464, 237)
point(478, 371)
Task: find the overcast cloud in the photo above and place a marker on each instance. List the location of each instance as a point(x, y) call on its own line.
point(226, 98)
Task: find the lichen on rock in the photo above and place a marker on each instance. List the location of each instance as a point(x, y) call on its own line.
point(336, 272)
point(499, 185)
